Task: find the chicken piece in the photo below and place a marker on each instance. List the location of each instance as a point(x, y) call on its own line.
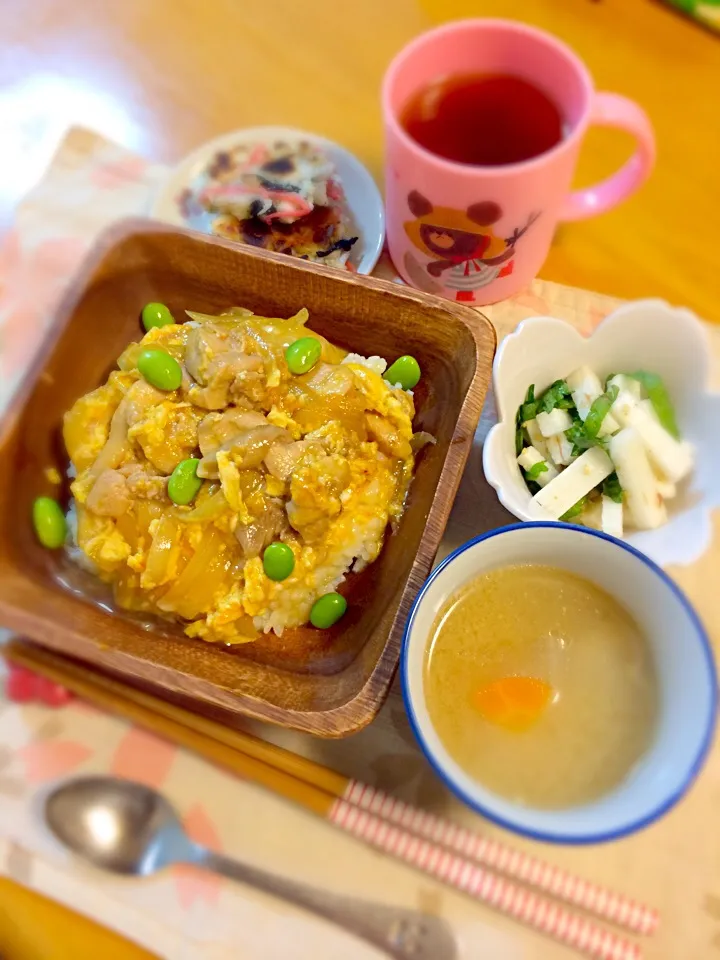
point(327, 379)
point(214, 363)
point(315, 490)
point(388, 437)
point(139, 398)
point(109, 496)
point(204, 344)
point(249, 385)
point(223, 373)
point(247, 448)
point(217, 429)
point(255, 536)
point(282, 458)
point(143, 482)
point(115, 449)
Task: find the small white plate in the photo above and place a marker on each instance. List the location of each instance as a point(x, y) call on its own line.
point(363, 197)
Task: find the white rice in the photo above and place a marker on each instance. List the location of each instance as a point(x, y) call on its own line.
point(378, 364)
point(291, 605)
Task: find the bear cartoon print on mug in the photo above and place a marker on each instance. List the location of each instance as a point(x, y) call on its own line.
point(464, 250)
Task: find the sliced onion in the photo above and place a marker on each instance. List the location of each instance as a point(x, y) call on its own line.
point(421, 439)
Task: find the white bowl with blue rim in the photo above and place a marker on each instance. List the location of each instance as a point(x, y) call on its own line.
point(681, 652)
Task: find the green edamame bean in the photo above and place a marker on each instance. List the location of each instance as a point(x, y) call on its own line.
point(303, 354)
point(405, 371)
point(278, 561)
point(49, 522)
point(156, 315)
point(160, 369)
point(327, 610)
point(184, 483)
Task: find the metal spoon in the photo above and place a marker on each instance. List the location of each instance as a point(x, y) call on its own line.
point(128, 828)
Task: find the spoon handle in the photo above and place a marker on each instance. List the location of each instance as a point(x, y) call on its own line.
point(403, 934)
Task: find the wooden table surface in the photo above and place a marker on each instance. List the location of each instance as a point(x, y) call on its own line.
point(162, 76)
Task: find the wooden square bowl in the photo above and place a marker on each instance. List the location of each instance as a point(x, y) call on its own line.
point(329, 683)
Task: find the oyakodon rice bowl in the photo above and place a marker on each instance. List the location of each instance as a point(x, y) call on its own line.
point(223, 436)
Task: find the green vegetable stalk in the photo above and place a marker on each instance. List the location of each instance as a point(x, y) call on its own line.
point(556, 395)
point(611, 488)
point(660, 399)
point(537, 468)
point(575, 510)
point(528, 410)
point(597, 413)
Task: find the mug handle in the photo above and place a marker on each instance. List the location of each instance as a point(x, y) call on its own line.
point(614, 110)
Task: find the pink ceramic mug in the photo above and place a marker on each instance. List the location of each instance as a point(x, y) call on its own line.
point(494, 224)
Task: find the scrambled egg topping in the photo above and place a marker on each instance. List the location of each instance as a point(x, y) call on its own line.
point(319, 461)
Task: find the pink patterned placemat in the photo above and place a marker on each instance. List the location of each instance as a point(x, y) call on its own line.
point(185, 915)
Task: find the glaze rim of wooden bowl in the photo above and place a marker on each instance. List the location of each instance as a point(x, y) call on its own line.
point(45, 598)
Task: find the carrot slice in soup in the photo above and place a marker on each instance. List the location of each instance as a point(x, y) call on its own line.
point(515, 703)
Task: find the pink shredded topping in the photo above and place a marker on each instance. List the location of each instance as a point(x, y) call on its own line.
point(297, 205)
point(258, 156)
point(294, 206)
point(334, 190)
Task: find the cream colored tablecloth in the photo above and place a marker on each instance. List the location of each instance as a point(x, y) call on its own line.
point(182, 915)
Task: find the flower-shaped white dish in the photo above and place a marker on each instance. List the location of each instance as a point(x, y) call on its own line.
point(645, 335)
point(174, 203)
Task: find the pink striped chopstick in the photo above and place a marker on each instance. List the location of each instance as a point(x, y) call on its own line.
point(560, 884)
point(509, 898)
point(427, 842)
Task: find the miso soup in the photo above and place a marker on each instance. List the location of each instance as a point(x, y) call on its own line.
point(540, 685)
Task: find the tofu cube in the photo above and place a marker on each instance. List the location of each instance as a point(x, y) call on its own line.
point(670, 457)
point(585, 388)
point(629, 384)
point(623, 406)
point(612, 517)
point(557, 421)
point(609, 426)
point(527, 460)
point(645, 506)
point(577, 480)
point(536, 437)
point(649, 407)
point(591, 516)
point(560, 449)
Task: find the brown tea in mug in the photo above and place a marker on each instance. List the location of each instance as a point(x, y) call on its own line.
point(483, 119)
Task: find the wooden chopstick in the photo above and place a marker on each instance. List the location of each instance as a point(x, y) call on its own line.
point(347, 804)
